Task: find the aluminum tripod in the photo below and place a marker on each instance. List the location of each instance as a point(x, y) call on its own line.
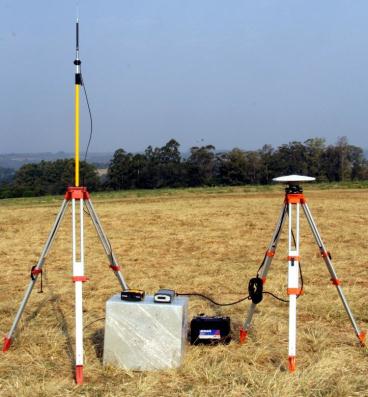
point(75, 195)
point(294, 200)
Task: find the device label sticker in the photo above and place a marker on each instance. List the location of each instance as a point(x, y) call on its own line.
point(209, 334)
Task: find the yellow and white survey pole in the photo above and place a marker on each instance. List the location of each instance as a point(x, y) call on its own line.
point(78, 82)
point(78, 232)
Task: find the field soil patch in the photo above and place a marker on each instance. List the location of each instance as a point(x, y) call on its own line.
point(210, 243)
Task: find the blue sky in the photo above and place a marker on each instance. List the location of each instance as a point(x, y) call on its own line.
point(230, 73)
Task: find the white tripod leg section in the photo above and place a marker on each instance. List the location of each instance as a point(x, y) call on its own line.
point(293, 282)
point(78, 278)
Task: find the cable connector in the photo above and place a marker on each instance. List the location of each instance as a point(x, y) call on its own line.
point(255, 289)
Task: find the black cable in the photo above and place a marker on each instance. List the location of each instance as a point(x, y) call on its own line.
point(300, 268)
point(276, 297)
point(255, 286)
point(92, 322)
point(299, 263)
point(262, 264)
point(211, 300)
point(90, 115)
point(275, 239)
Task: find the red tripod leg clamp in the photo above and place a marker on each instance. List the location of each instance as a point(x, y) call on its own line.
point(292, 364)
point(79, 374)
point(243, 334)
point(7, 343)
point(361, 337)
point(35, 272)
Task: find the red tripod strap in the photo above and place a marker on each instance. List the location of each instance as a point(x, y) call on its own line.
point(295, 291)
point(293, 258)
point(79, 278)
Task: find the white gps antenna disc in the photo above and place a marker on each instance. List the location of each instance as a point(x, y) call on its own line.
point(294, 178)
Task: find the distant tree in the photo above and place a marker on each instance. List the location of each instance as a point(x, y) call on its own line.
point(137, 171)
point(267, 171)
point(254, 167)
point(315, 147)
point(330, 163)
point(232, 167)
point(6, 175)
point(157, 167)
point(51, 177)
point(200, 166)
point(359, 164)
point(290, 159)
point(353, 164)
point(118, 173)
point(164, 167)
point(169, 168)
point(342, 150)
point(344, 162)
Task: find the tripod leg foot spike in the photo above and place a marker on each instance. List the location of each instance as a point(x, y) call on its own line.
point(292, 364)
point(79, 374)
point(361, 337)
point(7, 343)
point(243, 335)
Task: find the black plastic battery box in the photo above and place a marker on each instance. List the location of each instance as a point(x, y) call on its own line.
point(210, 330)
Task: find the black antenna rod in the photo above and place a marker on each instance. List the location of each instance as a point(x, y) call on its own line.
point(77, 34)
point(77, 61)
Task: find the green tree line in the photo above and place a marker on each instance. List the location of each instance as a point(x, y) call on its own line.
point(47, 178)
point(203, 166)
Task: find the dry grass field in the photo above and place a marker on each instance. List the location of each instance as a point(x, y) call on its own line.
point(206, 240)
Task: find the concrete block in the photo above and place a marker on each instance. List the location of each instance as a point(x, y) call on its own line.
point(145, 335)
